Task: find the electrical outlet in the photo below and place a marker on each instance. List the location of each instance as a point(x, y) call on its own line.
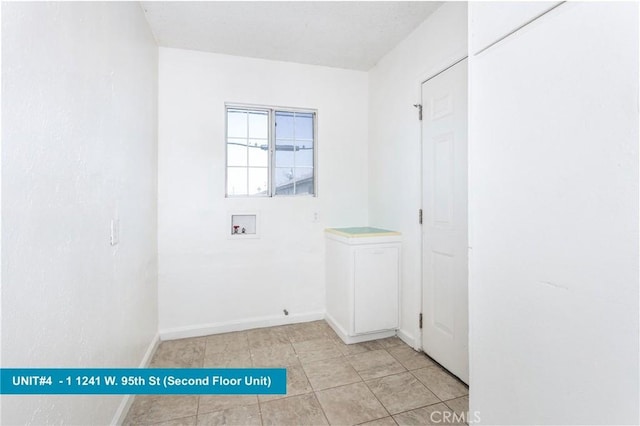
point(316, 217)
point(115, 232)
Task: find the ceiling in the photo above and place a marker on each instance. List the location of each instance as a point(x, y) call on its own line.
point(342, 34)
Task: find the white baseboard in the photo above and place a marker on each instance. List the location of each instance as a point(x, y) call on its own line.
point(146, 359)
point(409, 339)
point(127, 400)
point(342, 333)
point(239, 325)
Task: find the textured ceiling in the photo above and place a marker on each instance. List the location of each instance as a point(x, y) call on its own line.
point(351, 34)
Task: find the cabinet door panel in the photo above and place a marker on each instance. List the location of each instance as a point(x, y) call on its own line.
point(376, 289)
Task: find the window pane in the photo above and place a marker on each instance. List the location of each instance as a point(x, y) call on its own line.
point(236, 124)
point(284, 180)
point(258, 153)
point(236, 181)
point(259, 125)
point(284, 154)
point(236, 155)
point(284, 125)
point(250, 161)
point(304, 126)
point(304, 181)
point(258, 181)
point(304, 157)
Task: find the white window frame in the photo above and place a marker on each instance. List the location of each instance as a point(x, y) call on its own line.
point(271, 110)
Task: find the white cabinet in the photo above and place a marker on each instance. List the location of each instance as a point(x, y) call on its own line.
point(363, 277)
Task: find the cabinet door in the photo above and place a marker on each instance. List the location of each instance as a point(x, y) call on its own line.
point(376, 289)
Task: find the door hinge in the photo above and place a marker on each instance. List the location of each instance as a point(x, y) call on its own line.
point(420, 216)
point(419, 106)
point(420, 321)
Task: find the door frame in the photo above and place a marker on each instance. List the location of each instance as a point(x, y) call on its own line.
point(450, 63)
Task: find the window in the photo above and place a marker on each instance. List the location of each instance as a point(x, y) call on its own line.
point(270, 151)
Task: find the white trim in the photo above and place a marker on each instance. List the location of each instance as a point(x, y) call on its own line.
point(489, 44)
point(409, 339)
point(264, 107)
point(238, 325)
point(360, 337)
point(445, 63)
point(127, 400)
point(335, 326)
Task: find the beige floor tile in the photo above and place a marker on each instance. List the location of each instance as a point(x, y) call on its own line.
point(401, 392)
point(280, 355)
point(328, 331)
point(437, 414)
point(441, 383)
point(297, 384)
point(307, 331)
point(227, 342)
point(390, 342)
point(210, 403)
point(182, 353)
point(185, 421)
point(350, 405)
point(316, 359)
point(315, 350)
point(409, 358)
point(329, 373)
point(263, 337)
point(385, 421)
point(248, 415)
point(357, 348)
point(234, 359)
point(295, 411)
point(459, 406)
point(324, 325)
point(150, 409)
point(374, 364)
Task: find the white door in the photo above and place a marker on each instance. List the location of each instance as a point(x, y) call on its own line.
point(444, 230)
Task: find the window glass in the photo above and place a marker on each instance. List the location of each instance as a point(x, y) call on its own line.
point(237, 181)
point(236, 124)
point(258, 178)
point(236, 155)
point(303, 127)
point(259, 125)
point(253, 149)
point(284, 125)
point(284, 153)
point(304, 181)
point(304, 156)
point(258, 153)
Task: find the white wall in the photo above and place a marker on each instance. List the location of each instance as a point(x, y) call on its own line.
point(493, 20)
point(208, 282)
point(394, 137)
point(79, 90)
point(554, 220)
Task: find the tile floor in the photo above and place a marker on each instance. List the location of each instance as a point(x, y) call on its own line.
point(382, 382)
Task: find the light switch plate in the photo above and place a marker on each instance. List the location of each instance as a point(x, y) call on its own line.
point(115, 232)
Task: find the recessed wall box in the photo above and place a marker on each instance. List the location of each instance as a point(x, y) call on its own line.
point(243, 225)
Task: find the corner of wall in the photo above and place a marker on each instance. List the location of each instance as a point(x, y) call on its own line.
point(123, 409)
